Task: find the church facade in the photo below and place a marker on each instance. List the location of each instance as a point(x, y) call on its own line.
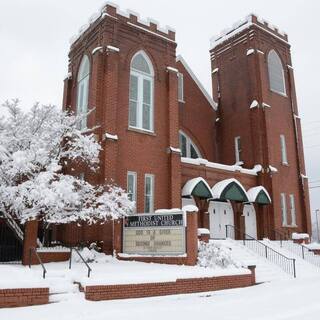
point(236, 153)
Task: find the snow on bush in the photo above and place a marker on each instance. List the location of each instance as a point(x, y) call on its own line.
point(87, 254)
point(39, 153)
point(212, 255)
point(92, 256)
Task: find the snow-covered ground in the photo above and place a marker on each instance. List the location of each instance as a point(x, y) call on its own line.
point(291, 250)
point(109, 270)
point(279, 298)
point(291, 299)
point(265, 270)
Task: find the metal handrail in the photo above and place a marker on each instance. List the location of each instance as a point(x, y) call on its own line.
point(275, 256)
point(302, 246)
point(44, 270)
point(282, 236)
point(84, 261)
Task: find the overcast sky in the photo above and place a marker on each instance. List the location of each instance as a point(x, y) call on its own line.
point(35, 35)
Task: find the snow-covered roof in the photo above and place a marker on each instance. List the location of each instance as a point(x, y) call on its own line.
point(254, 171)
point(136, 22)
point(198, 83)
point(191, 184)
point(253, 193)
point(220, 186)
point(239, 26)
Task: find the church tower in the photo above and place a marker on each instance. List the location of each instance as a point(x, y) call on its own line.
point(258, 121)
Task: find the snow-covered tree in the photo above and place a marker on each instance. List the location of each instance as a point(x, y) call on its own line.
point(34, 148)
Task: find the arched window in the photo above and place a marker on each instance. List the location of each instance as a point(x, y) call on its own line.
point(276, 74)
point(187, 147)
point(141, 92)
point(83, 90)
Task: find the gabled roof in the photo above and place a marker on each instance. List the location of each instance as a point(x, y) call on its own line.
point(229, 189)
point(259, 195)
point(213, 104)
point(196, 187)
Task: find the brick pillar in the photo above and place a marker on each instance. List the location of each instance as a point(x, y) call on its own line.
point(107, 236)
point(30, 239)
point(253, 274)
point(117, 235)
point(67, 91)
point(192, 238)
point(109, 113)
point(175, 166)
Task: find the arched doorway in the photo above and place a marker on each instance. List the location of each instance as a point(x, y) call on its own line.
point(260, 196)
point(250, 220)
point(220, 215)
point(220, 209)
point(196, 191)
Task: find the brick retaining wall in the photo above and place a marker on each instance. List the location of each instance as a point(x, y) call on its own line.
point(162, 260)
point(51, 256)
point(180, 286)
point(23, 297)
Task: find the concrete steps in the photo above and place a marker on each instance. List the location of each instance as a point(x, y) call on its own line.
point(265, 270)
point(308, 267)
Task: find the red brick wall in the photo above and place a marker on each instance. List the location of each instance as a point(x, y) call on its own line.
point(243, 78)
point(197, 117)
point(180, 286)
point(72, 234)
point(23, 297)
point(47, 257)
point(239, 80)
point(109, 94)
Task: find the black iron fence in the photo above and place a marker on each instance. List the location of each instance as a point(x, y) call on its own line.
point(10, 243)
point(285, 263)
point(299, 249)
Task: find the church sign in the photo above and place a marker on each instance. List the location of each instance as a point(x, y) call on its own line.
point(155, 234)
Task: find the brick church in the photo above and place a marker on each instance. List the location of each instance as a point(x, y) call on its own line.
point(235, 153)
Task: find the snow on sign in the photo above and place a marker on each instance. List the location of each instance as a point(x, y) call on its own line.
point(154, 234)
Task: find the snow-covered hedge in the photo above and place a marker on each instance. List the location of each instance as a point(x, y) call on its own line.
point(212, 255)
point(91, 255)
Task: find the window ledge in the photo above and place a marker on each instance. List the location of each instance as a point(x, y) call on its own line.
point(286, 164)
point(181, 101)
point(289, 226)
point(139, 130)
point(279, 93)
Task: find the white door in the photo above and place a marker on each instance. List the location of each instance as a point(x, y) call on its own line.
point(221, 214)
point(250, 220)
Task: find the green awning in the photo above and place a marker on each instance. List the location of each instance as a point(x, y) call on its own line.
point(234, 192)
point(196, 187)
point(259, 195)
point(201, 190)
point(229, 189)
